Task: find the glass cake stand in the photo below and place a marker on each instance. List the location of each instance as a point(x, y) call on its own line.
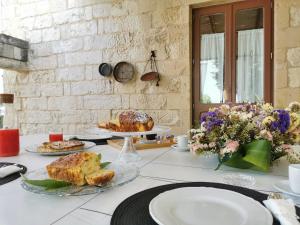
point(128, 153)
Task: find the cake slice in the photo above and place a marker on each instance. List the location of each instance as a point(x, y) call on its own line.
point(100, 177)
point(110, 125)
point(74, 168)
point(57, 146)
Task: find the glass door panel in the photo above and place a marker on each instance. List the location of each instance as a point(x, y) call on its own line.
point(249, 55)
point(212, 29)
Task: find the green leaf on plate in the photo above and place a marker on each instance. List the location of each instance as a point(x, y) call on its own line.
point(48, 184)
point(104, 164)
point(99, 156)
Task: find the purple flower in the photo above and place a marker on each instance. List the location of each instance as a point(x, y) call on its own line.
point(283, 122)
point(210, 120)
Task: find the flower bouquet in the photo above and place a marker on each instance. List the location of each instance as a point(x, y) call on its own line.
point(248, 136)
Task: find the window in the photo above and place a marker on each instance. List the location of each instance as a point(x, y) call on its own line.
point(232, 55)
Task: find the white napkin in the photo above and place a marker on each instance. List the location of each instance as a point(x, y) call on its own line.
point(7, 170)
point(284, 210)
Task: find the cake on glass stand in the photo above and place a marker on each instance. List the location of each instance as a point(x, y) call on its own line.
point(128, 153)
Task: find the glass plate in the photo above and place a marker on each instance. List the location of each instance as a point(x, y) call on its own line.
point(124, 173)
point(155, 130)
point(239, 179)
point(34, 149)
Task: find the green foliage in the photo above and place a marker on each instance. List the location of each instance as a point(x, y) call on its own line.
point(104, 164)
point(255, 155)
point(48, 184)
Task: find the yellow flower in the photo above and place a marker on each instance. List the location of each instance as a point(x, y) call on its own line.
point(294, 128)
point(294, 107)
point(295, 122)
point(268, 120)
point(267, 107)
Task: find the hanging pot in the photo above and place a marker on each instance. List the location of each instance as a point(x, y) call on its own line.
point(105, 69)
point(153, 75)
point(150, 76)
point(123, 72)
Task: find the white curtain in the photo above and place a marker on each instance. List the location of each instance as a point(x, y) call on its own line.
point(250, 61)
point(249, 69)
point(212, 67)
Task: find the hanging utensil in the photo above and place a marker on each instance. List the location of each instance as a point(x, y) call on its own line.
point(153, 75)
point(123, 72)
point(105, 69)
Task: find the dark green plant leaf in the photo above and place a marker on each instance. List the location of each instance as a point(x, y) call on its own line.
point(258, 153)
point(104, 164)
point(236, 160)
point(255, 155)
point(48, 184)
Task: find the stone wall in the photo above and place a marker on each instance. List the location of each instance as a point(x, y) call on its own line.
point(70, 38)
point(287, 51)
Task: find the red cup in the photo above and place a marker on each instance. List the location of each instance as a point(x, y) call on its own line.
point(56, 137)
point(9, 142)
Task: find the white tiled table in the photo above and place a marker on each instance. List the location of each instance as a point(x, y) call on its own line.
point(158, 167)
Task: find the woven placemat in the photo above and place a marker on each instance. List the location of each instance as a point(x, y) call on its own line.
point(13, 176)
point(96, 141)
point(134, 210)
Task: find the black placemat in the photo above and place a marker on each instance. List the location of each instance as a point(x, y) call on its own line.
point(96, 141)
point(13, 176)
point(134, 210)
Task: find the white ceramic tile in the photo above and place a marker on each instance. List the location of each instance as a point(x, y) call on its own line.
point(172, 157)
point(158, 166)
point(84, 217)
point(106, 202)
point(192, 174)
point(20, 207)
point(178, 158)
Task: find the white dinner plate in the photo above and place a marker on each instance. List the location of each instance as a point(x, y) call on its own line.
point(34, 149)
point(207, 206)
point(284, 187)
point(180, 149)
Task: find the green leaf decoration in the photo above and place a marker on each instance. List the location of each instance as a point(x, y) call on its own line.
point(104, 164)
point(236, 160)
point(258, 153)
point(48, 184)
point(255, 155)
point(99, 156)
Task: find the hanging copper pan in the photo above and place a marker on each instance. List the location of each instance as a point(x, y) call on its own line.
point(153, 75)
point(6, 98)
point(150, 76)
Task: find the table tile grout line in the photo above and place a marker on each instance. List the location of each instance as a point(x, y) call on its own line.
point(157, 178)
point(183, 181)
point(147, 163)
point(92, 198)
point(91, 210)
point(78, 207)
point(198, 167)
point(150, 178)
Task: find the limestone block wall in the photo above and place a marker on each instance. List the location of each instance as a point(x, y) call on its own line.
point(70, 38)
point(286, 51)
